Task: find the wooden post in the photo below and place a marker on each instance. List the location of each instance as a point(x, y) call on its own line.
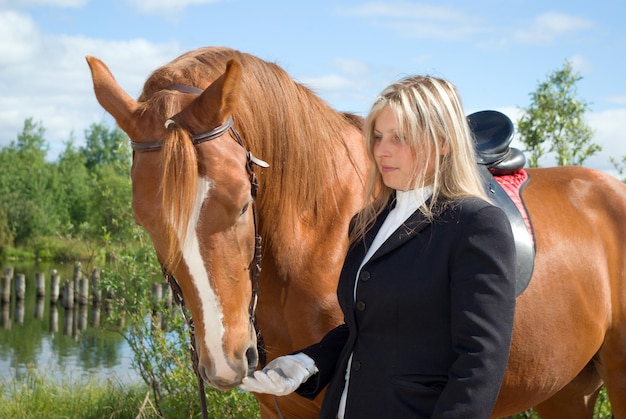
point(81, 324)
point(78, 274)
point(39, 308)
point(40, 285)
point(6, 316)
point(54, 318)
point(96, 294)
point(19, 311)
point(95, 316)
point(5, 289)
point(5, 286)
point(167, 294)
point(83, 291)
point(157, 296)
point(68, 321)
point(55, 284)
point(68, 294)
point(108, 302)
point(20, 287)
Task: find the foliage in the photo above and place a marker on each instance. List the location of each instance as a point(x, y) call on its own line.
point(86, 189)
point(37, 397)
point(620, 166)
point(106, 147)
point(159, 338)
point(27, 184)
point(6, 235)
point(554, 121)
point(76, 189)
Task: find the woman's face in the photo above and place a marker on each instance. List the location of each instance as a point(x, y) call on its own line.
point(394, 158)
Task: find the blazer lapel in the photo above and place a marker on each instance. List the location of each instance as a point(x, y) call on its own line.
point(359, 249)
point(409, 229)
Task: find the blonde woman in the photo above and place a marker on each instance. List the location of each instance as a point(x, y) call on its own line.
point(427, 287)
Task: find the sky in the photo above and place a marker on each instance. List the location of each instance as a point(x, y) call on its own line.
point(496, 52)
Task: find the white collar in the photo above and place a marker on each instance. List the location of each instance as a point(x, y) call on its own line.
point(409, 201)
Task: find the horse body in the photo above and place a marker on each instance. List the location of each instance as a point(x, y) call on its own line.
point(194, 201)
point(565, 321)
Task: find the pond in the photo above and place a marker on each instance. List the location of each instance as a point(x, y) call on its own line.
point(68, 344)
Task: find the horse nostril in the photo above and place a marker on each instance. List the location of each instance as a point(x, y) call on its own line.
point(253, 359)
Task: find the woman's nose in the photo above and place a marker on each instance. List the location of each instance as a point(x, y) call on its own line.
point(381, 148)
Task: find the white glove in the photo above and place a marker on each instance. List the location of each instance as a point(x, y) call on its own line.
point(282, 376)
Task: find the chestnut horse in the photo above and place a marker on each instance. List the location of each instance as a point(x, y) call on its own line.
point(194, 193)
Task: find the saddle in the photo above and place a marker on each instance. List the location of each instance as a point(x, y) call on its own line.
point(502, 170)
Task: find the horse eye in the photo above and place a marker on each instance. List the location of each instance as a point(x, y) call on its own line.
point(244, 209)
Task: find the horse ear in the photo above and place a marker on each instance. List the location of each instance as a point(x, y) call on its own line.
point(230, 89)
point(110, 95)
point(219, 100)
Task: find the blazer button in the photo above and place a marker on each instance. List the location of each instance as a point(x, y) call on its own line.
point(365, 276)
point(356, 365)
point(360, 305)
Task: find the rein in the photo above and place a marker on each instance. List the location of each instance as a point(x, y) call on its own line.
point(255, 263)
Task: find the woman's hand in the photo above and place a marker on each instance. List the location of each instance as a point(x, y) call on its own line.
point(282, 376)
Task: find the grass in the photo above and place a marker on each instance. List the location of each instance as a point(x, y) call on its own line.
point(35, 397)
point(38, 397)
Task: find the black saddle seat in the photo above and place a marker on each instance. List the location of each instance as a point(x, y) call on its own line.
point(493, 132)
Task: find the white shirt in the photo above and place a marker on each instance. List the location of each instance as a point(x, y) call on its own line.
point(407, 202)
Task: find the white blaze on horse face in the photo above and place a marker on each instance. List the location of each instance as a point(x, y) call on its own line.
point(211, 308)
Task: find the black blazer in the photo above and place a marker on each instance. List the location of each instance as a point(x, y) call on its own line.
point(431, 326)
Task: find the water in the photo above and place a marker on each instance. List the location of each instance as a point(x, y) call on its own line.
point(58, 343)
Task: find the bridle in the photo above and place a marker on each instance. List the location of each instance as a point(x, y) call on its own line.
point(255, 263)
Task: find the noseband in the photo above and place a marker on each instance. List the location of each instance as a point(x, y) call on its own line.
point(255, 263)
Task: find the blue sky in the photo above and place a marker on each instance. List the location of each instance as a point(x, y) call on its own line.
point(495, 51)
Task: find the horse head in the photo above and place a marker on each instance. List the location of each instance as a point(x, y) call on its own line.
point(193, 192)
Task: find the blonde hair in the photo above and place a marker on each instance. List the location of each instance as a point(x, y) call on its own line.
point(430, 119)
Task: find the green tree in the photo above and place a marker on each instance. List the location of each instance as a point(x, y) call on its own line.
point(6, 236)
point(27, 185)
point(110, 207)
point(76, 189)
point(107, 158)
point(620, 166)
point(554, 121)
point(106, 147)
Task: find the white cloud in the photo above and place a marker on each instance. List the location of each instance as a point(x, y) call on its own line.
point(547, 27)
point(580, 64)
point(404, 11)
point(165, 7)
point(331, 82)
point(609, 132)
point(350, 66)
point(54, 3)
point(48, 79)
point(619, 100)
point(19, 38)
point(418, 20)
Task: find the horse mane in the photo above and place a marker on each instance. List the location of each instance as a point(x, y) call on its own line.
point(280, 121)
